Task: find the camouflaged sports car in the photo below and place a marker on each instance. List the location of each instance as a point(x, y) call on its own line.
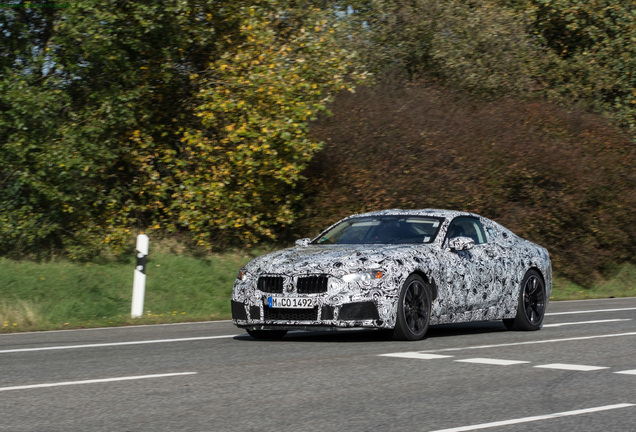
point(398, 270)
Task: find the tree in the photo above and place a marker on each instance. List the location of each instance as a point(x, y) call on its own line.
point(594, 42)
point(178, 115)
point(474, 46)
point(255, 101)
point(567, 51)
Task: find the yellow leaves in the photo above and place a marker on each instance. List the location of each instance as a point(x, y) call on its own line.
point(239, 162)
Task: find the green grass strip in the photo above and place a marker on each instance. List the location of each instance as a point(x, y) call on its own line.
point(57, 295)
point(179, 288)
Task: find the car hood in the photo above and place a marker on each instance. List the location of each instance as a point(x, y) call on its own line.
point(333, 259)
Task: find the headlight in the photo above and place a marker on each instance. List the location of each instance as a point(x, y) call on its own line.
point(367, 276)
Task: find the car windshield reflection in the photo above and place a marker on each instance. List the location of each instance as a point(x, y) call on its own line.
point(382, 230)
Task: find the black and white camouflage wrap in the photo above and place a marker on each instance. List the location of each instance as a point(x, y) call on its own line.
point(479, 283)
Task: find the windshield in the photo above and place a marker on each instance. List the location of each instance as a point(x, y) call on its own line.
point(382, 230)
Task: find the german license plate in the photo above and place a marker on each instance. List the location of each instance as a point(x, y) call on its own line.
point(290, 302)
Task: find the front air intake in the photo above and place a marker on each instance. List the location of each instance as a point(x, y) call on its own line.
point(275, 314)
point(359, 311)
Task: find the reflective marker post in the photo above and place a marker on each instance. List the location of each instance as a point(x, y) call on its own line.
point(139, 283)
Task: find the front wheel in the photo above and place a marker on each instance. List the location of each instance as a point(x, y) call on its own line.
point(413, 310)
point(532, 301)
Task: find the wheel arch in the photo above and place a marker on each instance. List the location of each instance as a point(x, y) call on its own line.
point(538, 270)
point(430, 281)
point(546, 278)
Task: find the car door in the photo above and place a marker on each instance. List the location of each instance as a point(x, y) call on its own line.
point(472, 274)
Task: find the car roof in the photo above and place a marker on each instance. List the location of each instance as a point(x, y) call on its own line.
point(449, 214)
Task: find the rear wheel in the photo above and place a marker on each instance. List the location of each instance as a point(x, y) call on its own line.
point(531, 308)
point(413, 310)
point(267, 334)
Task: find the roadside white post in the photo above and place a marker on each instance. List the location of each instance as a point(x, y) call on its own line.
point(139, 283)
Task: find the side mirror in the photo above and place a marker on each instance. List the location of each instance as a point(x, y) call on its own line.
point(303, 242)
point(461, 243)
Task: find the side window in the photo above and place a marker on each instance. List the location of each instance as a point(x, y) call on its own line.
point(467, 227)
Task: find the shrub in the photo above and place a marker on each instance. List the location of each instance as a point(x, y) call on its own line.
point(563, 179)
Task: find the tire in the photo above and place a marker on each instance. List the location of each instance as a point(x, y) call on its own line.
point(267, 334)
point(532, 302)
point(413, 310)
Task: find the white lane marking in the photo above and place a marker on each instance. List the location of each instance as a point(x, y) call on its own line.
point(491, 361)
point(627, 372)
point(535, 418)
point(415, 355)
point(589, 311)
point(94, 381)
point(530, 342)
point(586, 322)
point(573, 367)
point(152, 341)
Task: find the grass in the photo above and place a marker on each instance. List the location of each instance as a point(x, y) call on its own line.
point(179, 288)
point(622, 283)
point(58, 295)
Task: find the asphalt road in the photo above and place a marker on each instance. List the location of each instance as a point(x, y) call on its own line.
point(577, 374)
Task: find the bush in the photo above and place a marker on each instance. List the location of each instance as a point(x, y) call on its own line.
point(563, 179)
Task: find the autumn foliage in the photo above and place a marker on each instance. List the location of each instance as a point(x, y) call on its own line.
point(174, 118)
point(564, 179)
point(204, 121)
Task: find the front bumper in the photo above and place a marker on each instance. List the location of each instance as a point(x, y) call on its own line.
point(357, 314)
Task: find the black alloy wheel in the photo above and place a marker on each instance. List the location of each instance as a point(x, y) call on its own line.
point(532, 303)
point(414, 310)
